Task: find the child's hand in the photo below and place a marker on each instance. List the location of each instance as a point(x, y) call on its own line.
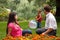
point(37, 19)
point(21, 29)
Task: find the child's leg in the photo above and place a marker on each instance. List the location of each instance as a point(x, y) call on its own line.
point(26, 32)
point(38, 25)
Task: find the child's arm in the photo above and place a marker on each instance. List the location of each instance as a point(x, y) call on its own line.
point(36, 18)
point(9, 31)
point(21, 29)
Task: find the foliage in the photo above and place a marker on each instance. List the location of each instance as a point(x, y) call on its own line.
point(52, 3)
point(26, 9)
point(3, 3)
point(32, 37)
point(3, 14)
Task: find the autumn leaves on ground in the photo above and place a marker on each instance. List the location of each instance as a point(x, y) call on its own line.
point(33, 37)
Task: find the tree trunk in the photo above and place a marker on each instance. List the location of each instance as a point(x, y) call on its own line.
point(57, 8)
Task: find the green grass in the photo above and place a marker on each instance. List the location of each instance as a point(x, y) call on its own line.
point(58, 29)
point(2, 29)
point(24, 25)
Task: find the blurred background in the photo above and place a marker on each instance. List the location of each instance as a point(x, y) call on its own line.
point(26, 11)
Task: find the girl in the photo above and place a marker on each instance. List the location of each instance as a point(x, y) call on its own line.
point(39, 19)
point(13, 28)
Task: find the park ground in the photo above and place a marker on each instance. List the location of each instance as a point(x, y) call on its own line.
point(24, 25)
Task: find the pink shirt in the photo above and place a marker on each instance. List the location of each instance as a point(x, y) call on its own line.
point(16, 30)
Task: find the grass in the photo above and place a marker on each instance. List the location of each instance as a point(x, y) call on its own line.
point(24, 25)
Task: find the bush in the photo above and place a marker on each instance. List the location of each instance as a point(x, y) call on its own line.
point(3, 14)
point(21, 19)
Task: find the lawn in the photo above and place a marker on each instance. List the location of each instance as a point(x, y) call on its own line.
point(24, 25)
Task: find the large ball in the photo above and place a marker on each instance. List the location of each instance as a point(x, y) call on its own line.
point(33, 24)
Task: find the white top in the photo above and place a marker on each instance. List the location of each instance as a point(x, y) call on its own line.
point(50, 22)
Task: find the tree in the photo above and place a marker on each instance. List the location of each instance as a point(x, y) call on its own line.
point(52, 3)
point(3, 3)
point(29, 0)
point(58, 8)
point(39, 2)
point(13, 4)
